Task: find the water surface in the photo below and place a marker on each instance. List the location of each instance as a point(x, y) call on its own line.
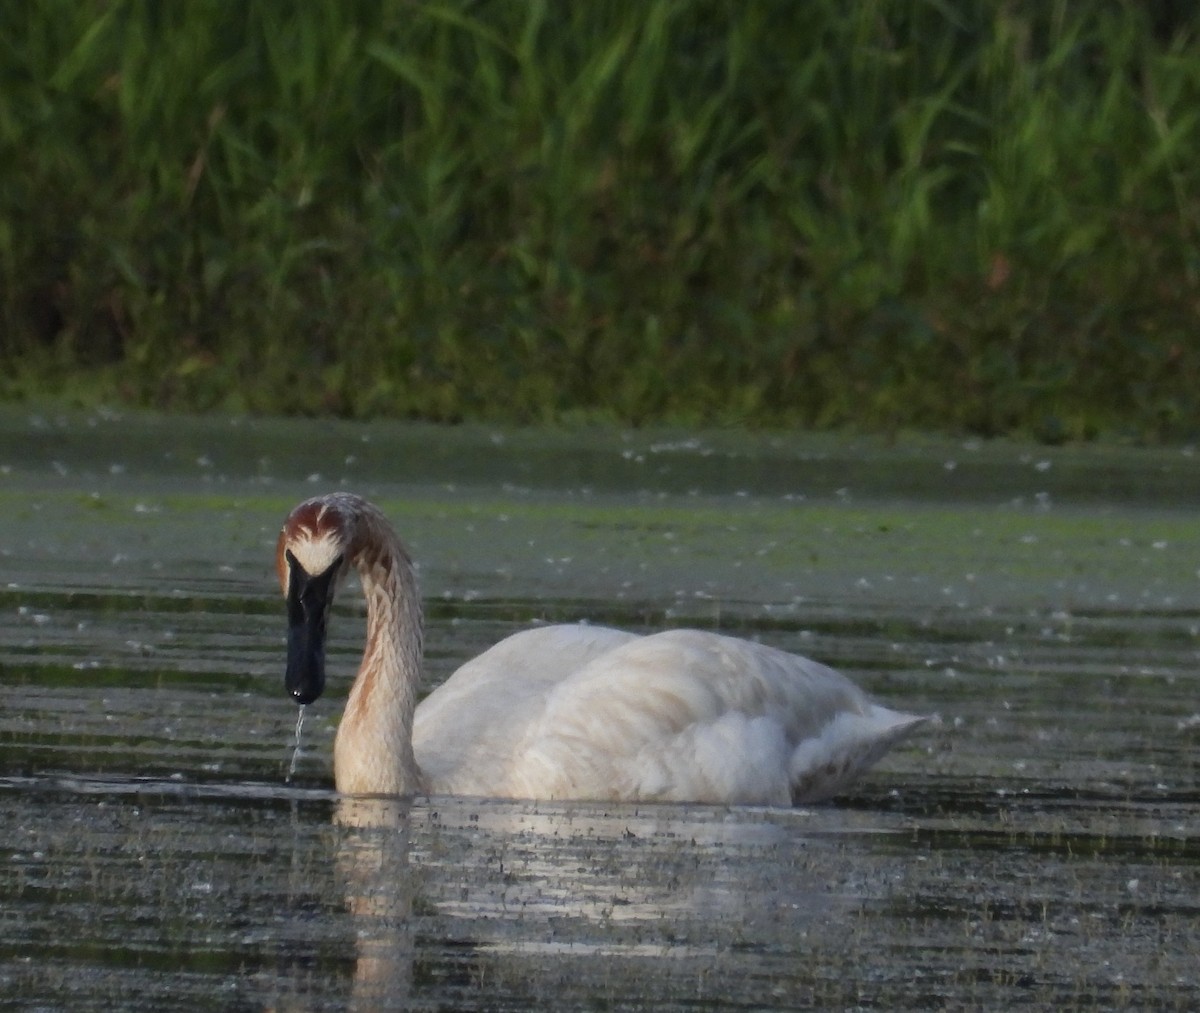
point(1035, 848)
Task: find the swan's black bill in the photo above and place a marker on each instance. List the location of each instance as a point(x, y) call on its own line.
point(308, 602)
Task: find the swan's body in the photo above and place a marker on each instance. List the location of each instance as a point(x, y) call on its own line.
point(569, 711)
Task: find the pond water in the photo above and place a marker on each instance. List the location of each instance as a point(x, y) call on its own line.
point(1038, 846)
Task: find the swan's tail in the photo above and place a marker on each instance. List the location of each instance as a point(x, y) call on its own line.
point(826, 764)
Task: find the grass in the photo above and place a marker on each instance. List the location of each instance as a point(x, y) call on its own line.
point(968, 217)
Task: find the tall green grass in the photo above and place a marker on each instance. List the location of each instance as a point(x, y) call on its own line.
point(885, 214)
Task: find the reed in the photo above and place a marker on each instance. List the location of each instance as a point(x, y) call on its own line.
point(892, 214)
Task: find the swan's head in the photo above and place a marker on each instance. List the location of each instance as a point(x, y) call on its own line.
point(311, 557)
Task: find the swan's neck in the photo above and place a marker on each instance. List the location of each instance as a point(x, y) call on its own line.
point(373, 752)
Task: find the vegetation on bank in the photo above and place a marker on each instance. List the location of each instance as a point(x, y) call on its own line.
point(896, 213)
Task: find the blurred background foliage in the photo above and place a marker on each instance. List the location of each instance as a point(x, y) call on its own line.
point(888, 214)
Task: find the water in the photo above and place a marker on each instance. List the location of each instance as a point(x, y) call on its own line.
point(298, 746)
point(166, 844)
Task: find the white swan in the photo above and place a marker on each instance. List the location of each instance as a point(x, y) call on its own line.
point(563, 712)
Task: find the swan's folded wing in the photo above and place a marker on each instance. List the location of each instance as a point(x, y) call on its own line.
point(694, 716)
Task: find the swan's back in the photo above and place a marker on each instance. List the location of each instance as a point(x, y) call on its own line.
point(684, 715)
point(469, 729)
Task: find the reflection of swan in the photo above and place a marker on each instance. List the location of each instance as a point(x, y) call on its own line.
point(580, 879)
point(566, 712)
point(372, 859)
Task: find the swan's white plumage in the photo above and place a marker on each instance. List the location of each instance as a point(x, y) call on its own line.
point(679, 715)
point(579, 711)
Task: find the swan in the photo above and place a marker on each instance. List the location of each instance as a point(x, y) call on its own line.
point(568, 712)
